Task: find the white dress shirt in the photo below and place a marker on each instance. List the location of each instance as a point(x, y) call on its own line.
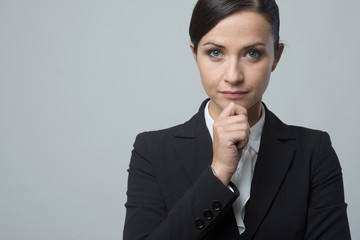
point(243, 176)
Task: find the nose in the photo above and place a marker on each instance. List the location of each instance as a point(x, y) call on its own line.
point(233, 72)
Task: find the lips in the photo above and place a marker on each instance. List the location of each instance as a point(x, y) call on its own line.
point(234, 94)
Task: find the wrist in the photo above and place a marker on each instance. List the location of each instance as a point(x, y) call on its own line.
point(223, 178)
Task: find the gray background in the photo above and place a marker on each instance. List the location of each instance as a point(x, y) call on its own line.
point(79, 79)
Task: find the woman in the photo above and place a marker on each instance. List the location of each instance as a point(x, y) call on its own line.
point(234, 170)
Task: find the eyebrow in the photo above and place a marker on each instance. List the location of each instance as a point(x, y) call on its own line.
point(255, 44)
point(247, 47)
point(216, 45)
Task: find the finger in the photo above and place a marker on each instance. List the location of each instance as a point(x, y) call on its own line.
point(236, 119)
point(239, 110)
point(232, 137)
point(232, 123)
point(244, 126)
point(241, 145)
point(232, 109)
point(238, 139)
point(227, 111)
point(243, 140)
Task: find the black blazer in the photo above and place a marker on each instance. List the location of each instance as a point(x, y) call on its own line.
point(296, 192)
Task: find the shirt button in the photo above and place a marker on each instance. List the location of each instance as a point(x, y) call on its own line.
point(208, 214)
point(199, 223)
point(217, 206)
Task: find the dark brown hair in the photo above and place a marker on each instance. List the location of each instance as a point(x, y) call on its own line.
point(208, 13)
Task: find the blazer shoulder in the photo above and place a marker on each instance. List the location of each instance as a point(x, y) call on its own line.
point(192, 128)
point(313, 141)
point(158, 136)
point(274, 126)
point(304, 131)
point(165, 138)
point(304, 136)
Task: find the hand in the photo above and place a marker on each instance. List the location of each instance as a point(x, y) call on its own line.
point(230, 136)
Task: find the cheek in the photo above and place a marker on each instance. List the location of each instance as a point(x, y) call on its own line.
point(209, 76)
point(261, 75)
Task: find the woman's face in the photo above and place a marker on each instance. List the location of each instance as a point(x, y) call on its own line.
point(235, 60)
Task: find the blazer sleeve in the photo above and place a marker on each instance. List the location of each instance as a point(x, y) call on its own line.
point(193, 215)
point(327, 218)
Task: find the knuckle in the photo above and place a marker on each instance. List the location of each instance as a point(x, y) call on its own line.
point(244, 127)
point(243, 135)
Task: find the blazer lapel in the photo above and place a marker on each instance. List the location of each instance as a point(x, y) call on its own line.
point(194, 144)
point(277, 150)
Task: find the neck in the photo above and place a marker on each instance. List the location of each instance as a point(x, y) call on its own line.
point(254, 113)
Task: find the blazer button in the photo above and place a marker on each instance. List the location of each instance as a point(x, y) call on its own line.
point(208, 214)
point(217, 206)
point(199, 223)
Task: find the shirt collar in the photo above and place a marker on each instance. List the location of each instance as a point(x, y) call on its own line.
point(255, 131)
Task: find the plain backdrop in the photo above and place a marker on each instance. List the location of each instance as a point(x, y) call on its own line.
point(80, 78)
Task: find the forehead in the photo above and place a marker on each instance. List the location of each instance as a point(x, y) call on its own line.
point(243, 26)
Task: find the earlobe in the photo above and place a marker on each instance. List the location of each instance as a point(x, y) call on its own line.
point(278, 56)
point(192, 47)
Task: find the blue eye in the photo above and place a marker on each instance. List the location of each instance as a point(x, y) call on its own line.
point(254, 54)
point(214, 53)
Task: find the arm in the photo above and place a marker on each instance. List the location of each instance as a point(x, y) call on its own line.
point(327, 218)
point(147, 215)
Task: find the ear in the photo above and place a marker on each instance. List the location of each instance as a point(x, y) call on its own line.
point(193, 51)
point(278, 56)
